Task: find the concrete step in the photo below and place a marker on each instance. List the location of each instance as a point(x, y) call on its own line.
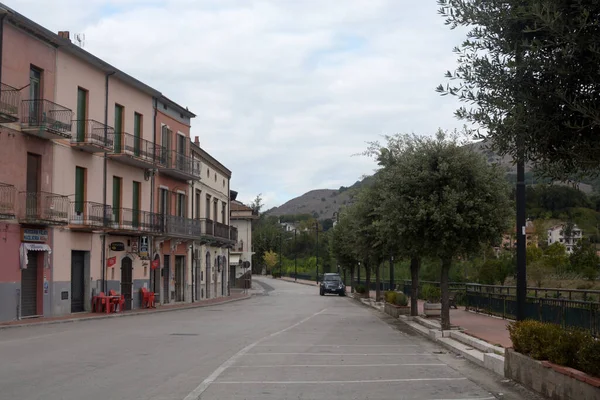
point(479, 344)
point(466, 351)
point(429, 323)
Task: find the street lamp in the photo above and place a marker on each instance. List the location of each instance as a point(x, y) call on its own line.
point(391, 272)
point(295, 258)
point(317, 229)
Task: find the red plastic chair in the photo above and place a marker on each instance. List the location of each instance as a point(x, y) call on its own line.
point(147, 298)
point(116, 305)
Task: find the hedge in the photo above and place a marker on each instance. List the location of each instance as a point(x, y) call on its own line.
point(546, 341)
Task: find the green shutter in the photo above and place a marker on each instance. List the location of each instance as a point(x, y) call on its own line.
point(116, 203)
point(118, 128)
point(79, 189)
point(137, 126)
point(81, 113)
point(136, 204)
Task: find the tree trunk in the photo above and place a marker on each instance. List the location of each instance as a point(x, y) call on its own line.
point(446, 263)
point(352, 281)
point(378, 282)
point(415, 263)
point(367, 280)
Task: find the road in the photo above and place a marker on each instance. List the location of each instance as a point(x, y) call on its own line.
point(289, 343)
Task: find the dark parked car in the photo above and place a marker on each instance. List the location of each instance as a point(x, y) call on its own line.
point(332, 283)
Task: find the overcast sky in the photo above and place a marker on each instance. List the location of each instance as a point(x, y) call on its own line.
point(285, 91)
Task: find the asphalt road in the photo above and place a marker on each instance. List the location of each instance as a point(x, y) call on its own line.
point(290, 343)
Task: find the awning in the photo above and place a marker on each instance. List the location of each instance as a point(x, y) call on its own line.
point(234, 259)
point(25, 247)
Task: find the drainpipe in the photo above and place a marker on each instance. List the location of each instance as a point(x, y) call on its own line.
point(105, 171)
point(2, 16)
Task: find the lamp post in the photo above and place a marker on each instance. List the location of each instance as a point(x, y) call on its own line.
point(317, 229)
point(280, 248)
point(391, 272)
point(295, 258)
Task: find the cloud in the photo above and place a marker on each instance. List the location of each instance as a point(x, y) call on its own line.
point(285, 91)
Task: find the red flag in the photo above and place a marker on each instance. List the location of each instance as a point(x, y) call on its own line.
point(155, 264)
point(111, 262)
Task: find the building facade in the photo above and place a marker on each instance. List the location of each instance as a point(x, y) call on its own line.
point(97, 184)
point(242, 217)
point(559, 234)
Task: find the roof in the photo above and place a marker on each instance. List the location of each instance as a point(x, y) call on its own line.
point(211, 160)
point(238, 206)
point(176, 106)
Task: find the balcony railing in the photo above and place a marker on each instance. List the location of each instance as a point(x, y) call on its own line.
point(180, 226)
point(47, 116)
point(218, 230)
point(9, 103)
point(127, 219)
point(135, 146)
point(44, 208)
point(179, 165)
point(7, 201)
point(89, 214)
point(93, 133)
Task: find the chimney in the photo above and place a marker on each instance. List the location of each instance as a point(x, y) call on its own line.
point(65, 35)
point(197, 141)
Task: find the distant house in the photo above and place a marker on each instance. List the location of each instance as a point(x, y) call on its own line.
point(509, 240)
point(288, 226)
point(557, 234)
point(240, 256)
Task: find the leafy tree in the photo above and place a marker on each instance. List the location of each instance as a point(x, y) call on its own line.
point(556, 257)
point(529, 70)
point(270, 259)
point(342, 245)
point(444, 199)
point(585, 260)
point(257, 204)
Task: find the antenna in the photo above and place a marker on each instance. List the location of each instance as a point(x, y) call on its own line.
point(80, 39)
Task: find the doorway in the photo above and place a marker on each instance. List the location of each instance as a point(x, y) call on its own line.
point(167, 278)
point(223, 276)
point(77, 281)
point(155, 280)
point(179, 278)
point(33, 186)
point(208, 275)
point(215, 271)
point(29, 286)
point(127, 281)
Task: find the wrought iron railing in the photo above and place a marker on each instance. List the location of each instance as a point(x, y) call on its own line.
point(45, 114)
point(7, 200)
point(44, 207)
point(89, 131)
point(9, 102)
point(180, 226)
point(177, 161)
point(125, 143)
point(221, 230)
point(128, 219)
point(89, 214)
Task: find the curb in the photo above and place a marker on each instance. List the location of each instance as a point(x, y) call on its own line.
point(299, 283)
point(119, 315)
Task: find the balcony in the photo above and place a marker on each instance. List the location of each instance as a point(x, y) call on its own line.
point(43, 208)
point(9, 103)
point(92, 136)
point(135, 151)
point(233, 233)
point(45, 119)
point(218, 232)
point(182, 227)
point(7, 201)
point(127, 221)
point(179, 166)
point(88, 216)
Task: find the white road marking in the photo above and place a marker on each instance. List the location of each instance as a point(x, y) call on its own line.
point(337, 345)
point(337, 365)
point(336, 382)
point(196, 393)
point(337, 354)
point(470, 398)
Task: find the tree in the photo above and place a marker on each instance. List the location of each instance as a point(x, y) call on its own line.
point(529, 69)
point(585, 260)
point(270, 259)
point(342, 245)
point(257, 204)
point(444, 199)
point(556, 257)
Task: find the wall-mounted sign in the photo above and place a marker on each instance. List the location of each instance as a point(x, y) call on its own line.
point(144, 247)
point(155, 264)
point(110, 262)
point(135, 245)
point(117, 246)
point(35, 235)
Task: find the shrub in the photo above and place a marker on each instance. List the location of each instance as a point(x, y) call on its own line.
point(390, 297)
point(534, 338)
point(360, 289)
point(400, 299)
point(588, 357)
point(276, 275)
point(432, 294)
point(564, 351)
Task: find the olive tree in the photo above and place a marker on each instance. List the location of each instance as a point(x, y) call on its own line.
point(441, 199)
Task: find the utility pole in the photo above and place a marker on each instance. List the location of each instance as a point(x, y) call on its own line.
point(295, 258)
point(280, 247)
point(317, 228)
point(391, 272)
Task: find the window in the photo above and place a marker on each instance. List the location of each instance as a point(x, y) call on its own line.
point(215, 177)
point(135, 204)
point(215, 207)
point(119, 111)
point(79, 189)
point(163, 201)
point(180, 206)
point(82, 100)
point(137, 133)
point(208, 172)
point(208, 206)
point(223, 212)
point(223, 182)
point(116, 203)
point(198, 199)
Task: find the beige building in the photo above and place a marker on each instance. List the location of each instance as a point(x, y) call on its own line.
point(210, 204)
point(241, 254)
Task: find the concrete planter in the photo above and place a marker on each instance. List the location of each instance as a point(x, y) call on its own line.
point(396, 311)
point(359, 296)
point(432, 309)
point(550, 380)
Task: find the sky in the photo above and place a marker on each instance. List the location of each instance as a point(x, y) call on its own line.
point(286, 92)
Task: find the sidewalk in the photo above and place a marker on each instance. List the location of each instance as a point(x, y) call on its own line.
point(236, 295)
